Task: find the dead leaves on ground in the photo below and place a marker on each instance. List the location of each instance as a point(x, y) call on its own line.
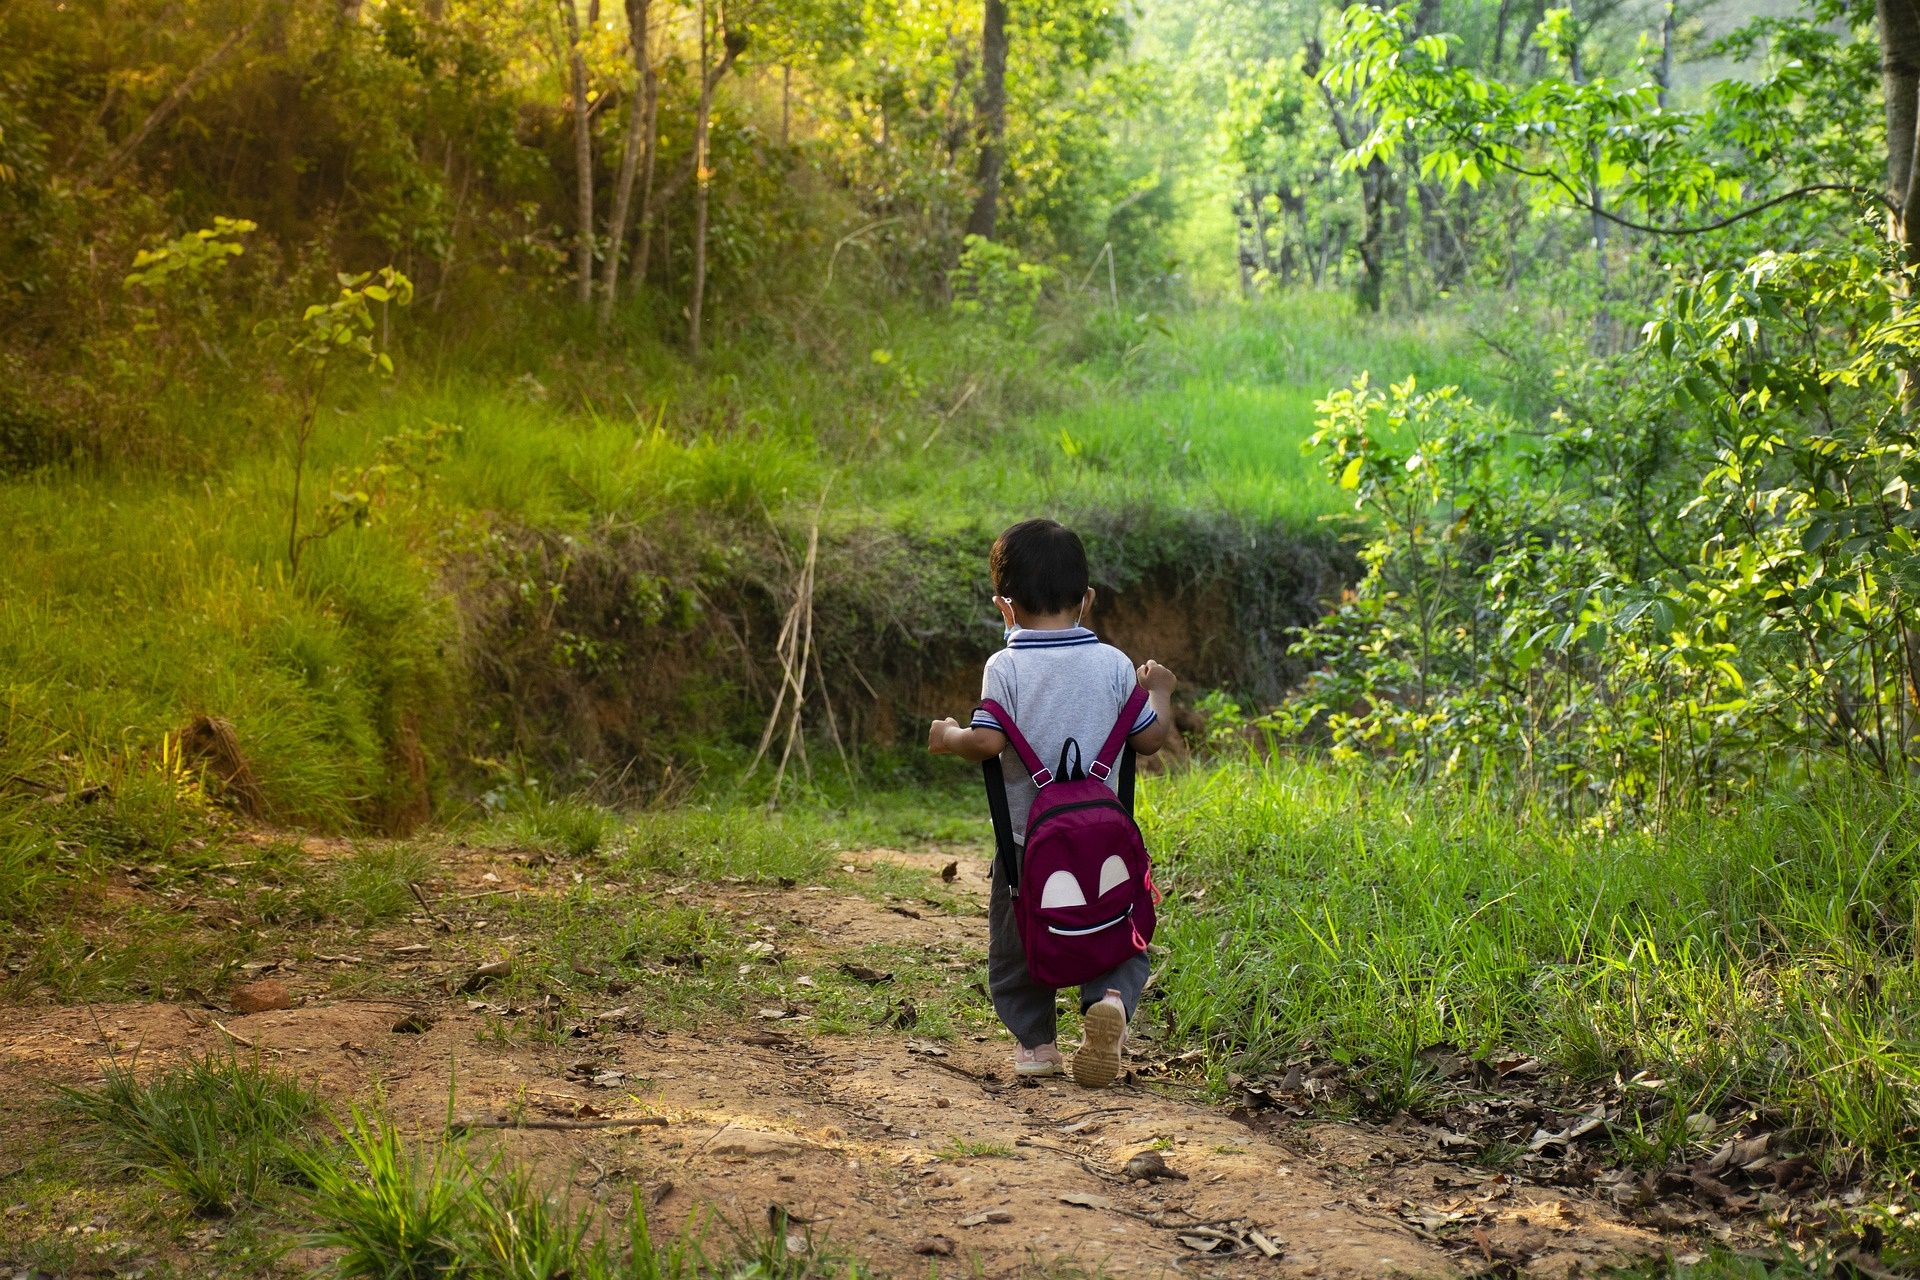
point(1728, 1166)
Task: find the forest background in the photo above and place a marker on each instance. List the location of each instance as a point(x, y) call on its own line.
point(466, 411)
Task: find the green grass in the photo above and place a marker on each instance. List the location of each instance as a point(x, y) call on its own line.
point(1767, 952)
point(217, 1132)
point(133, 601)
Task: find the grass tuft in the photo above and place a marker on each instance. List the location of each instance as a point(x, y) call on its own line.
point(216, 1131)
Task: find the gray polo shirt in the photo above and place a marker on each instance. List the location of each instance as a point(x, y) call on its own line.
point(1056, 685)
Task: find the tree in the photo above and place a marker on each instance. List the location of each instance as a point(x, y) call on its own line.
point(582, 143)
point(990, 119)
point(642, 132)
point(713, 22)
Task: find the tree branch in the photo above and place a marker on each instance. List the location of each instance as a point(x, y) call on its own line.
point(124, 152)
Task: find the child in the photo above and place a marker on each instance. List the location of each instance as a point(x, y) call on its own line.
point(1057, 681)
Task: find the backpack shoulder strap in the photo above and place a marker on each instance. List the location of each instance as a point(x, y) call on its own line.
point(1028, 756)
point(1004, 850)
point(1117, 738)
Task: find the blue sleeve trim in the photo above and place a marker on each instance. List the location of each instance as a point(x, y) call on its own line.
point(1146, 717)
point(985, 720)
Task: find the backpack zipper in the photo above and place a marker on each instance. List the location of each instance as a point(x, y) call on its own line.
point(1081, 804)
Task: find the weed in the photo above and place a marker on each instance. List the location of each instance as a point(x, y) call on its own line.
point(396, 1211)
point(747, 842)
point(216, 1131)
point(370, 885)
point(571, 828)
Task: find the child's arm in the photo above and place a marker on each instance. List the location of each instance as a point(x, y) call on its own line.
point(1158, 682)
point(947, 738)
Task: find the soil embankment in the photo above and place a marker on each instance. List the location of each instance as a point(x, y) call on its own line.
point(598, 648)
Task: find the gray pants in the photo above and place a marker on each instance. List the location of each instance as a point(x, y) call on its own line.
point(1026, 1007)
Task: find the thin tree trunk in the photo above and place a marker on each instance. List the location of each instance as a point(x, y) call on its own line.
point(1666, 55)
point(990, 116)
point(702, 119)
point(637, 112)
point(648, 163)
point(582, 146)
point(731, 46)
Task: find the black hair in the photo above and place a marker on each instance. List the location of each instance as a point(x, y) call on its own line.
point(1040, 565)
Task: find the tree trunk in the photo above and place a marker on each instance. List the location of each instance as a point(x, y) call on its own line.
point(648, 163)
point(582, 146)
point(731, 46)
point(638, 112)
point(990, 118)
point(702, 177)
point(1666, 55)
point(1900, 81)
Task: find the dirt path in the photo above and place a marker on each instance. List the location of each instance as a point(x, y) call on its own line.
point(900, 1150)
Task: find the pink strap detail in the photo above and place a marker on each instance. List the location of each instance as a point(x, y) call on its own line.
point(1028, 757)
point(1122, 727)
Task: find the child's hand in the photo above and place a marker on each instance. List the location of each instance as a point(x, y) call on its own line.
point(937, 735)
point(1155, 678)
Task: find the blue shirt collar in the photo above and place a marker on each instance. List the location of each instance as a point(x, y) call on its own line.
point(1026, 638)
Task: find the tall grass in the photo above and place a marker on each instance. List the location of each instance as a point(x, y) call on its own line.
point(133, 601)
point(1769, 952)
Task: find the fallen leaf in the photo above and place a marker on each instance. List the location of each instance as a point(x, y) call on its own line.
point(985, 1216)
point(908, 912)
point(486, 973)
point(948, 872)
point(872, 977)
point(1085, 1201)
point(935, 1247)
point(1200, 1244)
point(1263, 1244)
point(412, 1024)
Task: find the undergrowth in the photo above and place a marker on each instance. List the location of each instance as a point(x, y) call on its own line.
point(1767, 953)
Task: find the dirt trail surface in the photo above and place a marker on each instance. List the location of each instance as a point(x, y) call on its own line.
point(899, 1150)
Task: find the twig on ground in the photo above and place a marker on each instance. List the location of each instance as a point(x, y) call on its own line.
point(628, 1122)
point(234, 1036)
point(420, 896)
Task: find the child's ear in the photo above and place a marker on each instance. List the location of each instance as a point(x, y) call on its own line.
point(1006, 610)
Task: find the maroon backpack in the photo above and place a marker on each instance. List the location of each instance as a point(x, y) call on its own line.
point(1084, 897)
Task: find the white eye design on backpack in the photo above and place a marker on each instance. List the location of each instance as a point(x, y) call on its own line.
point(1062, 891)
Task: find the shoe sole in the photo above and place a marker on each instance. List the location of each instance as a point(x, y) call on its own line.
point(1098, 1061)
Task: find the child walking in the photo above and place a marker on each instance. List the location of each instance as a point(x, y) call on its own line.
point(1056, 693)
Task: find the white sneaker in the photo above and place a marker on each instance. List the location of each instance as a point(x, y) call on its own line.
point(1098, 1062)
point(1042, 1060)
